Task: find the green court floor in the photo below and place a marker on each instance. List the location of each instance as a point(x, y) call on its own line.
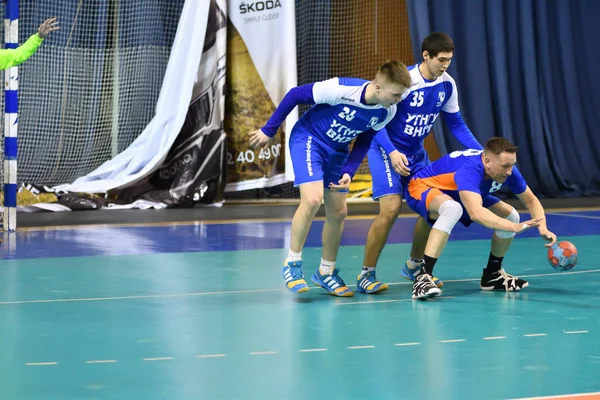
point(220, 325)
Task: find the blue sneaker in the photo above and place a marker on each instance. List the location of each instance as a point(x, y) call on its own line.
point(411, 274)
point(368, 283)
point(333, 283)
point(294, 277)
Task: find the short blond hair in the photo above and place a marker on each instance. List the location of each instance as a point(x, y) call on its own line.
point(394, 72)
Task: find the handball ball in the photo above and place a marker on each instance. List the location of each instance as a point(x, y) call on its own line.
point(563, 256)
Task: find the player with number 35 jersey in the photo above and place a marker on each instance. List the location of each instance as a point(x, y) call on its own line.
point(433, 93)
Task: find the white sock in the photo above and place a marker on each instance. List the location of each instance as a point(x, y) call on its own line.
point(326, 267)
point(366, 269)
point(294, 256)
point(414, 263)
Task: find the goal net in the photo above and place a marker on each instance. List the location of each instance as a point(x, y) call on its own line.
point(92, 86)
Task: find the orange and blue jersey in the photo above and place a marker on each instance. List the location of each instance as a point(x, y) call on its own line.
point(455, 172)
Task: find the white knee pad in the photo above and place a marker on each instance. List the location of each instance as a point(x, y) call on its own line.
point(512, 217)
point(450, 212)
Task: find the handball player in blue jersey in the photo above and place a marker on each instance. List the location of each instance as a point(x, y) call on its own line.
point(343, 109)
point(433, 92)
point(459, 187)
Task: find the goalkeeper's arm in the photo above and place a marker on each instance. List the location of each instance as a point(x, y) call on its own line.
point(11, 57)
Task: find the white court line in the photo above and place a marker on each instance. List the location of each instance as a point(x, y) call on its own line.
point(149, 296)
point(100, 361)
point(193, 294)
point(211, 355)
point(372, 302)
point(574, 215)
point(311, 350)
point(521, 276)
point(36, 364)
point(387, 301)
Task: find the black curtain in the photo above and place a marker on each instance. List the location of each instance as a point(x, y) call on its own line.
point(526, 70)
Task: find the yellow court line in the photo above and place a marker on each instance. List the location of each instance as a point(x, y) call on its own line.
point(554, 211)
point(188, 223)
point(582, 396)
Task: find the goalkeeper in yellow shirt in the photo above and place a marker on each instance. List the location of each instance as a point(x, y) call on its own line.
point(11, 57)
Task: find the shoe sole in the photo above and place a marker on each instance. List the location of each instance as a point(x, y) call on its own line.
point(303, 290)
point(427, 295)
point(492, 288)
point(382, 288)
point(316, 282)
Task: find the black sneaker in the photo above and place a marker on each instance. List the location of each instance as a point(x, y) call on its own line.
point(500, 280)
point(424, 287)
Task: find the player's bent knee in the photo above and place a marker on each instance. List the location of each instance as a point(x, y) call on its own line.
point(449, 214)
point(389, 212)
point(312, 202)
point(338, 214)
point(390, 207)
point(512, 217)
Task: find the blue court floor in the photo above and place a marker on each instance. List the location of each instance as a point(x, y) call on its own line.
point(199, 311)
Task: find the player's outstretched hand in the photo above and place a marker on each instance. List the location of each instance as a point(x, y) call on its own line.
point(49, 25)
point(549, 236)
point(400, 163)
point(258, 139)
point(342, 185)
point(523, 226)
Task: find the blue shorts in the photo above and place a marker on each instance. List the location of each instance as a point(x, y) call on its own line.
point(315, 161)
point(418, 199)
point(386, 181)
